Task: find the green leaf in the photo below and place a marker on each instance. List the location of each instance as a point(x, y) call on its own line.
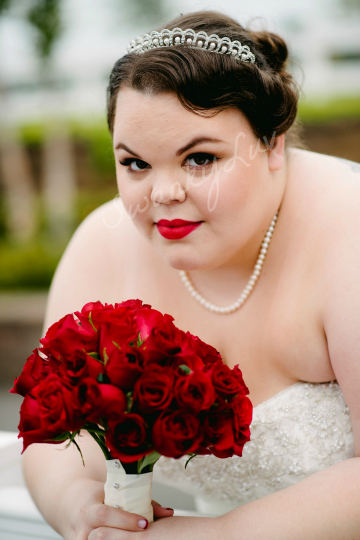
point(102, 445)
point(139, 340)
point(92, 324)
point(186, 369)
point(60, 438)
point(130, 400)
point(102, 378)
point(117, 345)
point(96, 356)
point(106, 358)
point(150, 459)
point(190, 458)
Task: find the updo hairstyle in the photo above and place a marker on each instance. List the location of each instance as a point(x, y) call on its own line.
point(207, 83)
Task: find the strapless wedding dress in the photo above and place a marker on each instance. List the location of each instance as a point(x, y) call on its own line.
point(296, 433)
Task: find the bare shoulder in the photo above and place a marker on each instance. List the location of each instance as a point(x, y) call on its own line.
point(327, 191)
point(91, 267)
point(332, 191)
point(327, 184)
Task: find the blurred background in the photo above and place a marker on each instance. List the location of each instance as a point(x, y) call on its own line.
point(56, 162)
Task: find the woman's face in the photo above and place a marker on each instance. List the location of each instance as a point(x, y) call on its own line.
point(211, 172)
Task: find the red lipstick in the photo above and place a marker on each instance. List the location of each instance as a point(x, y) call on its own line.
point(176, 228)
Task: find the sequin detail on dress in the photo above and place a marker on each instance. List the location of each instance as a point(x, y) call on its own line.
point(298, 432)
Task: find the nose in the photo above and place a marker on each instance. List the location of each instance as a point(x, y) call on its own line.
point(165, 191)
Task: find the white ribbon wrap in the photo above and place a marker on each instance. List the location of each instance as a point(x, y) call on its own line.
point(130, 492)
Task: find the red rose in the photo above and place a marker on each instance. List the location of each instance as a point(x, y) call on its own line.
point(166, 341)
point(228, 383)
point(113, 337)
point(154, 389)
point(35, 369)
point(219, 434)
point(147, 319)
point(242, 413)
point(176, 433)
point(126, 438)
point(124, 367)
point(96, 401)
point(58, 406)
point(195, 391)
point(68, 336)
point(76, 367)
point(207, 353)
point(112, 402)
point(30, 427)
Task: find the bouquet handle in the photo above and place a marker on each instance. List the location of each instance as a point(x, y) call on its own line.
point(130, 492)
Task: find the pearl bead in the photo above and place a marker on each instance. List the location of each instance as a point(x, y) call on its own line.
point(200, 43)
point(223, 49)
point(166, 41)
point(212, 46)
point(253, 278)
point(189, 41)
point(177, 40)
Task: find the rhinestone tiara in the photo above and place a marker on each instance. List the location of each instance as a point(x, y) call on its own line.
point(190, 38)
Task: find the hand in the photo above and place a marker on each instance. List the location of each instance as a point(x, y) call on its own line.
point(90, 519)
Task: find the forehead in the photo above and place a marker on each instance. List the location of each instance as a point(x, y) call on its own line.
point(141, 115)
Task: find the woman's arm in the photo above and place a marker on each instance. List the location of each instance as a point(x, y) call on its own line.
point(325, 506)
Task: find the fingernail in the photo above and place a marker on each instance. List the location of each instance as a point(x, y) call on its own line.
point(169, 509)
point(143, 523)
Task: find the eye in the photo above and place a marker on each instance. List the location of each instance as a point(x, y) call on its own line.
point(200, 160)
point(135, 165)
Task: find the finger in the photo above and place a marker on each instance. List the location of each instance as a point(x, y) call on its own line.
point(160, 511)
point(101, 515)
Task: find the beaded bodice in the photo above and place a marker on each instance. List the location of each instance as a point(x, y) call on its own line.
point(302, 430)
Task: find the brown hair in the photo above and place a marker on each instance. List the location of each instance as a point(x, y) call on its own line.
point(206, 82)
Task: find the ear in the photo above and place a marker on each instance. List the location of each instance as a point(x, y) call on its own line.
point(276, 154)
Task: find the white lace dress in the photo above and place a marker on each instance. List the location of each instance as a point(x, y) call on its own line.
point(302, 430)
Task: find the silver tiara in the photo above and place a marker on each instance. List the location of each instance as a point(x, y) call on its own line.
point(190, 38)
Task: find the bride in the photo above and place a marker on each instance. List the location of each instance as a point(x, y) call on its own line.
point(251, 244)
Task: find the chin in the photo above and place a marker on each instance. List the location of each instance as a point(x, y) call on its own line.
point(183, 259)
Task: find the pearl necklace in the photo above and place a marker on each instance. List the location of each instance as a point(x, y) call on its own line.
point(250, 285)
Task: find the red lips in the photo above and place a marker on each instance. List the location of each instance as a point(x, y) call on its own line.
point(176, 228)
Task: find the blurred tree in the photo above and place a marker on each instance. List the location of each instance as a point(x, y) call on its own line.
point(4, 4)
point(350, 5)
point(44, 16)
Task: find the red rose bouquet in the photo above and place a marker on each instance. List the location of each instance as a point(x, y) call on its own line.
point(140, 386)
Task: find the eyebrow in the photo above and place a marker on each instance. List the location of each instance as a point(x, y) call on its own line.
point(191, 144)
point(194, 142)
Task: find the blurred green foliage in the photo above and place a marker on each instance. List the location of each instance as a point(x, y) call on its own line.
point(329, 110)
point(31, 265)
point(28, 266)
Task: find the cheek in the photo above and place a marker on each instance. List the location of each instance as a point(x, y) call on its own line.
point(134, 196)
point(221, 194)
